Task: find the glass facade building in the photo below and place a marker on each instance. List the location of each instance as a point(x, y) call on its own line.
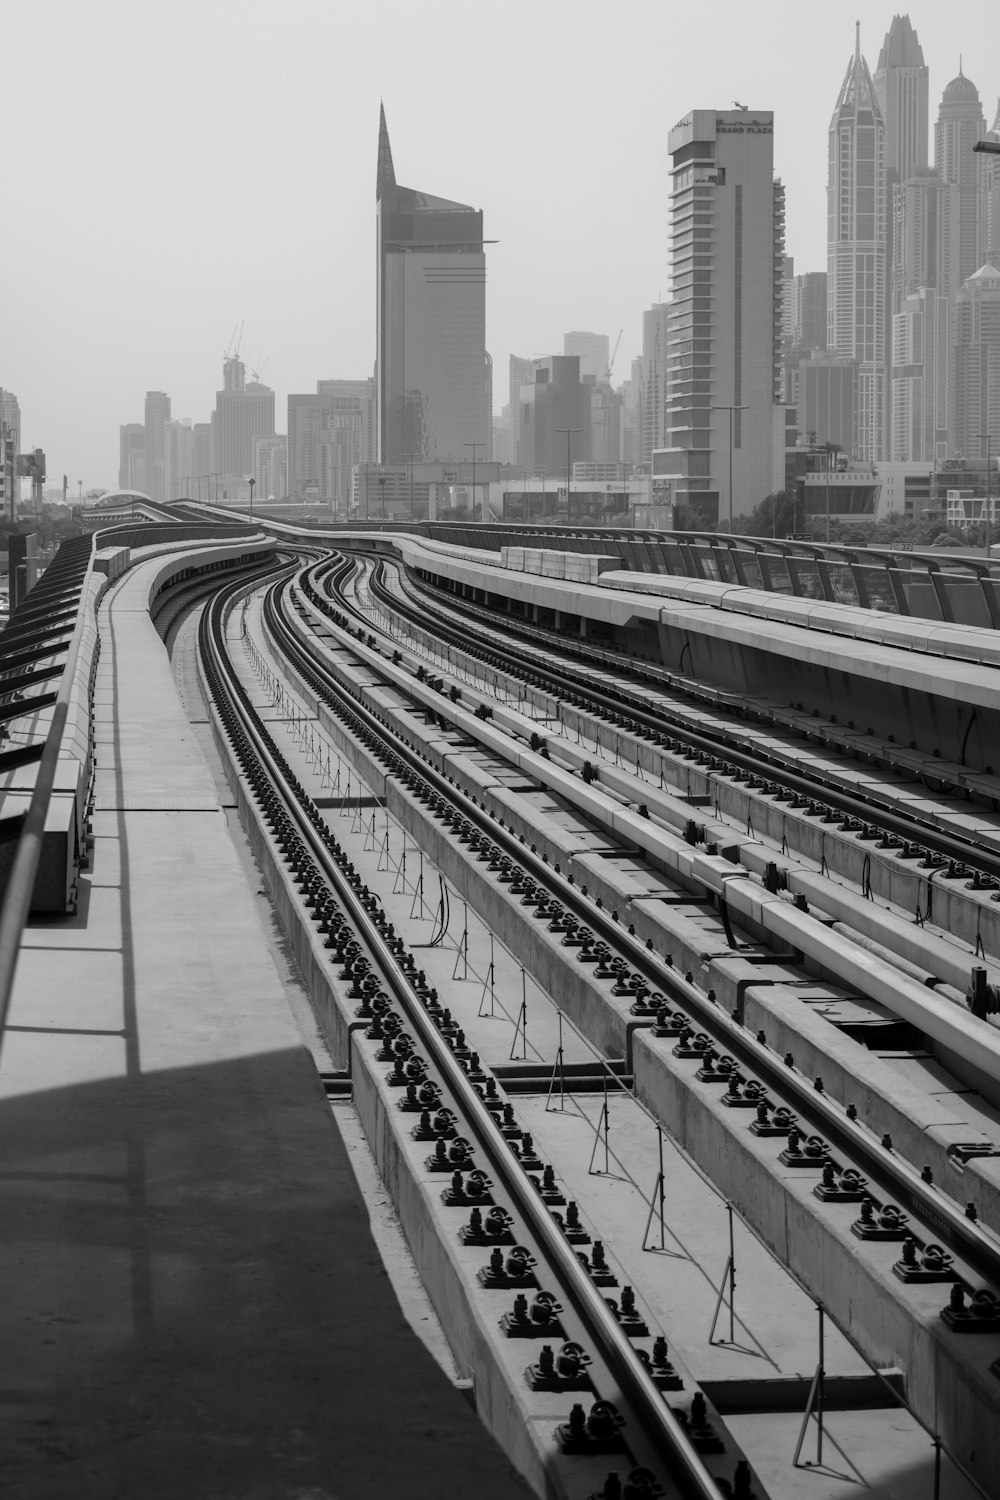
point(431, 381)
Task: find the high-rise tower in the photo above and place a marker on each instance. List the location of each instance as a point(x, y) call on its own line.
point(901, 87)
point(724, 440)
point(157, 415)
point(960, 124)
point(856, 247)
point(431, 378)
point(988, 194)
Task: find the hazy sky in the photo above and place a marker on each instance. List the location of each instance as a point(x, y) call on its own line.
point(173, 169)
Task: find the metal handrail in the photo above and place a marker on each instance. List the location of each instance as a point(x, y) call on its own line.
point(21, 882)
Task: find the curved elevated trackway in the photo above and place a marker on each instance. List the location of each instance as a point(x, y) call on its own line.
point(719, 976)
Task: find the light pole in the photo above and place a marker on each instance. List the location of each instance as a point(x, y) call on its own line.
point(987, 438)
point(409, 459)
point(252, 483)
point(474, 447)
point(381, 485)
point(569, 469)
point(730, 410)
point(831, 449)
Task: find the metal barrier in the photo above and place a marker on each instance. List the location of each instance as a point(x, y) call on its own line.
point(43, 614)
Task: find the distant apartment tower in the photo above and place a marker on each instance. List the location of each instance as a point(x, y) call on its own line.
point(653, 426)
point(270, 467)
point(559, 402)
point(178, 452)
point(355, 396)
point(10, 418)
point(132, 456)
point(202, 465)
point(593, 351)
point(921, 377)
point(976, 373)
point(631, 439)
point(243, 413)
point(988, 167)
point(329, 434)
point(724, 324)
point(856, 248)
point(521, 384)
point(157, 415)
point(432, 377)
point(960, 124)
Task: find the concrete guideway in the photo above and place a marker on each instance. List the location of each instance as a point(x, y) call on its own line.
point(194, 1302)
point(438, 743)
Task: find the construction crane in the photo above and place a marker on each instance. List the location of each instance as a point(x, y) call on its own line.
point(262, 360)
point(614, 356)
point(232, 349)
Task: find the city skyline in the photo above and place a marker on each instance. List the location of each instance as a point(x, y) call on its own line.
point(158, 317)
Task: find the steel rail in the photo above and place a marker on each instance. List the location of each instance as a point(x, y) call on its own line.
point(903, 1182)
point(952, 847)
point(662, 1429)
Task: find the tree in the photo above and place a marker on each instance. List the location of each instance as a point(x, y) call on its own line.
point(775, 516)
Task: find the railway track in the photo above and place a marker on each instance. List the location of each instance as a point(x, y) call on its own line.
point(731, 750)
point(658, 1442)
point(901, 1181)
point(620, 1389)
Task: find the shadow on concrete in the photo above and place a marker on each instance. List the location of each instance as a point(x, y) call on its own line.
point(216, 1322)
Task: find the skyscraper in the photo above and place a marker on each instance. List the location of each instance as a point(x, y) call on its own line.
point(594, 351)
point(132, 456)
point(988, 168)
point(521, 392)
point(724, 323)
point(270, 466)
point(329, 435)
point(559, 403)
point(242, 413)
point(976, 379)
point(960, 124)
point(10, 417)
point(856, 247)
point(157, 415)
point(178, 452)
point(431, 381)
point(901, 87)
point(653, 420)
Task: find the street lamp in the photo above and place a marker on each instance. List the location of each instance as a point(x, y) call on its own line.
point(474, 447)
point(730, 410)
point(409, 459)
point(252, 483)
point(569, 471)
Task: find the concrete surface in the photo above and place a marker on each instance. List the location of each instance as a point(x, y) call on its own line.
point(194, 1303)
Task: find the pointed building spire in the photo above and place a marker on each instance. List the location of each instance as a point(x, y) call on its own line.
point(386, 176)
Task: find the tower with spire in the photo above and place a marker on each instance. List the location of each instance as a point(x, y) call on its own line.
point(431, 366)
point(901, 87)
point(960, 124)
point(856, 248)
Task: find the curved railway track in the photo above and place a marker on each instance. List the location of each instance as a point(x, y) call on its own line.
point(850, 1144)
point(341, 903)
point(400, 1017)
point(722, 751)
